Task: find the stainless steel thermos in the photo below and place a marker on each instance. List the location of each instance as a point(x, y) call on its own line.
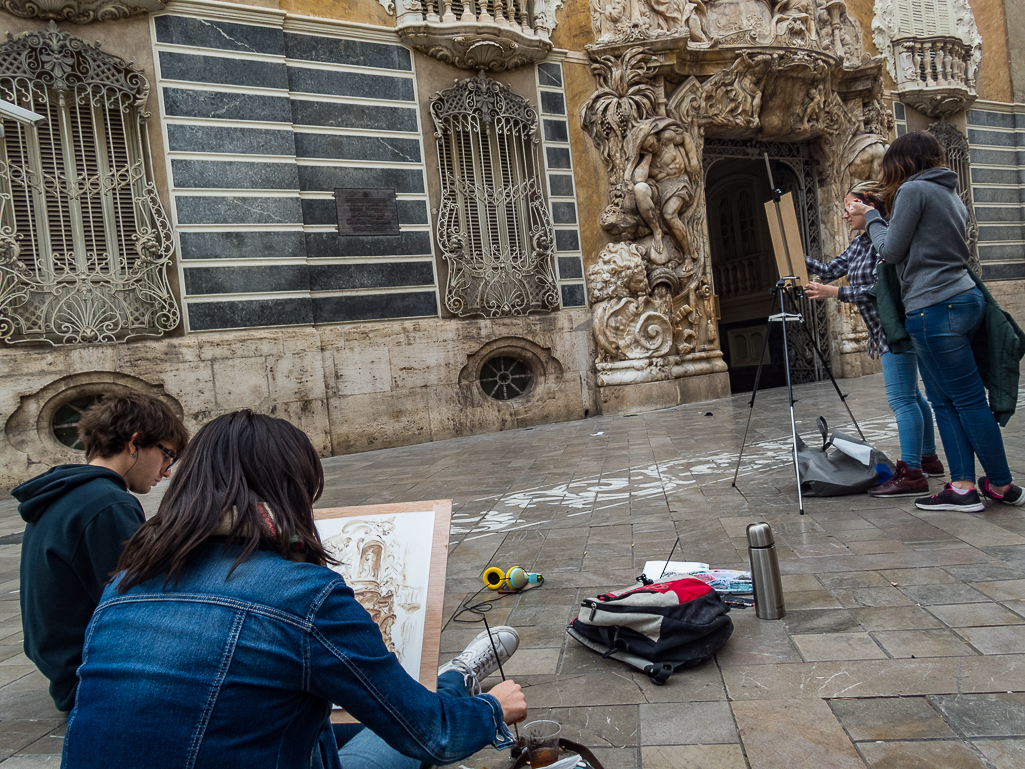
point(765, 572)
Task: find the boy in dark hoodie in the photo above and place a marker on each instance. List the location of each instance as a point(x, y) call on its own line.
point(78, 518)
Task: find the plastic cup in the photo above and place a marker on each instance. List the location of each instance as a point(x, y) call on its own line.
point(542, 742)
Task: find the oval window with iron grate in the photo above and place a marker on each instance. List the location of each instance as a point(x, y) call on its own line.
point(65, 420)
point(504, 377)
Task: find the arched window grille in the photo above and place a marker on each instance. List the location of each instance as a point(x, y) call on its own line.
point(955, 146)
point(494, 228)
point(84, 241)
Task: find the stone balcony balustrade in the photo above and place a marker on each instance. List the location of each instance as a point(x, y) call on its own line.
point(492, 35)
point(932, 74)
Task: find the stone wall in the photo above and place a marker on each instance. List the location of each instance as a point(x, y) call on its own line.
point(350, 388)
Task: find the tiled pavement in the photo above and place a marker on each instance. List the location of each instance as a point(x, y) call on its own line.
point(903, 643)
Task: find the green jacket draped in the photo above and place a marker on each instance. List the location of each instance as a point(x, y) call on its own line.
point(998, 345)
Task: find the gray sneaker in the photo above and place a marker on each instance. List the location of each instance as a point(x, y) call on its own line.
point(477, 661)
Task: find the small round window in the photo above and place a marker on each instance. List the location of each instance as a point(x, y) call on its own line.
point(504, 378)
point(65, 420)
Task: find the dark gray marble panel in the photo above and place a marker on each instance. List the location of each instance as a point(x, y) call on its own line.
point(902, 129)
point(550, 73)
point(222, 35)
point(331, 177)
point(326, 211)
point(898, 111)
point(558, 157)
point(181, 102)
point(234, 140)
point(242, 245)
point(995, 157)
point(234, 174)
point(387, 149)
point(561, 185)
point(573, 296)
point(994, 176)
point(570, 267)
point(564, 213)
point(997, 195)
point(412, 211)
point(359, 84)
point(251, 279)
point(553, 103)
point(248, 313)
point(333, 277)
point(358, 53)
point(556, 130)
point(987, 214)
point(991, 138)
point(1013, 271)
point(222, 70)
point(567, 240)
point(368, 116)
point(1001, 252)
point(324, 244)
point(999, 232)
point(336, 309)
point(979, 117)
point(237, 209)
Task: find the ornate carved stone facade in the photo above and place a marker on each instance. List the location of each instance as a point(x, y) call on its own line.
point(477, 34)
point(932, 53)
point(669, 80)
point(79, 11)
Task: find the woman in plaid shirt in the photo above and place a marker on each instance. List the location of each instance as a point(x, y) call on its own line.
point(900, 371)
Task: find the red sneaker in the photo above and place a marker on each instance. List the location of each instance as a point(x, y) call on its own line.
point(906, 482)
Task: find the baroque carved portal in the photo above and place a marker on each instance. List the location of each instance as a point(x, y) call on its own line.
point(671, 76)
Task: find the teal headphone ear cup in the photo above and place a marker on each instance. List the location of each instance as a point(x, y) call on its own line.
point(517, 577)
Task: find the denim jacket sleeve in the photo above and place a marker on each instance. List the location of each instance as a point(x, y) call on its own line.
point(350, 666)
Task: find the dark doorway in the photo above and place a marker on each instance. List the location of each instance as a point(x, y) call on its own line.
point(744, 269)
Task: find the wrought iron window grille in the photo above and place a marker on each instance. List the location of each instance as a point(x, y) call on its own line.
point(494, 228)
point(84, 240)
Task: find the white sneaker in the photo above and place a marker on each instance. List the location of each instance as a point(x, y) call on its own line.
point(477, 661)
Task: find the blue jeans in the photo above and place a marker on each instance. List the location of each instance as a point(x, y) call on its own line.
point(368, 751)
point(942, 336)
point(914, 417)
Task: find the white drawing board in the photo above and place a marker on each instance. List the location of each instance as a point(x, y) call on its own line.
point(399, 581)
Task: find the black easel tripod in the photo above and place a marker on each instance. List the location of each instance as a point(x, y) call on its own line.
point(786, 286)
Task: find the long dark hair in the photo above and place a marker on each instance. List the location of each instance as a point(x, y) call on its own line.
point(238, 461)
point(909, 154)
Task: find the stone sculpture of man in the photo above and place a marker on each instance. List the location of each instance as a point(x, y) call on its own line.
point(663, 171)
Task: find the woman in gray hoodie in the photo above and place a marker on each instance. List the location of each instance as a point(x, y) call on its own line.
point(925, 239)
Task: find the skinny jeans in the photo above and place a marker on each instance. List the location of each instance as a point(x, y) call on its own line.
point(914, 417)
point(942, 337)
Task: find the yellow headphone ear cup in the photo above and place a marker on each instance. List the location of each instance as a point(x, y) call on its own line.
point(494, 578)
point(517, 577)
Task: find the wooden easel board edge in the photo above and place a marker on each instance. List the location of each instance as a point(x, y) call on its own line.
point(788, 213)
point(435, 585)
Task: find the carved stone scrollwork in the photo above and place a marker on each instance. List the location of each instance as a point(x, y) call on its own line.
point(493, 35)
point(79, 11)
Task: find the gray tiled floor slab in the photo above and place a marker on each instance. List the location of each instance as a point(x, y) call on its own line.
point(861, 577)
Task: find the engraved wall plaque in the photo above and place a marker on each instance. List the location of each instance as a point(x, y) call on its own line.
point(367, 212)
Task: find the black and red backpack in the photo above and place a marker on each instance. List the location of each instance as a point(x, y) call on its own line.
point(658, 629)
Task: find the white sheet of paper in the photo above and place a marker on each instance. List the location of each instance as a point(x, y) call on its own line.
point(653, 569)
point(386, 560)
point(859, 451)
